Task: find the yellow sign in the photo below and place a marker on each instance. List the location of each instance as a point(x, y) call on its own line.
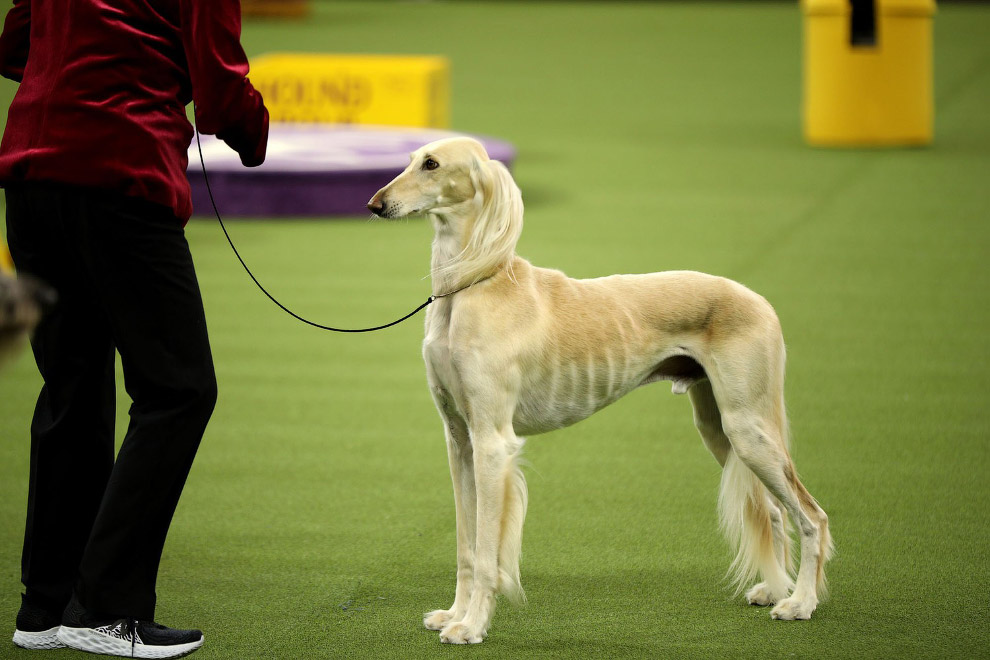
point(389, 90)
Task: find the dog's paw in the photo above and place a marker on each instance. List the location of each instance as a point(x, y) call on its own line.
point(438, 619)
point(792, 608)
point(763, 595)
point(462, 633)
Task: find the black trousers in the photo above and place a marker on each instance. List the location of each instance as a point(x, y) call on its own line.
point(125, 280)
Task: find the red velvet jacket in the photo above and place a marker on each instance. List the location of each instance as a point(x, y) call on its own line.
point(104, 85)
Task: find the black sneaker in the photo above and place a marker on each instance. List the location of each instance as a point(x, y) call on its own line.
point(128, 638)
point(37, 628)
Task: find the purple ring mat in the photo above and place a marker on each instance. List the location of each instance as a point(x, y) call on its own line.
point(312, 169)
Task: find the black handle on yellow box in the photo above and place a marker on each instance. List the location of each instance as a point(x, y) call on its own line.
point(863, 23)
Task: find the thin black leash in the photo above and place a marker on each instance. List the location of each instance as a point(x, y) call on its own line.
point(270, 296)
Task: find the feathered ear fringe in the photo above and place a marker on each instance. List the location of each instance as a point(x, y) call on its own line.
point(491, 242)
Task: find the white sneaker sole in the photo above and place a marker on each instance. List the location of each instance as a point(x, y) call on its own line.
point(37, 641)
point(87, 639)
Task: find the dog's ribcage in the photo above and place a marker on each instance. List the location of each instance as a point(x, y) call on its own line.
point(581, 368)
point(574, 389)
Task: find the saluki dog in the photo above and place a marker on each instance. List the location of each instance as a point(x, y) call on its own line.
point(512, 350)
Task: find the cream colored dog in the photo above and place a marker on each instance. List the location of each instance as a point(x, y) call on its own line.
point(512, 349)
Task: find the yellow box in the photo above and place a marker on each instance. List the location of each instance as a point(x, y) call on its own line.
point(389, 90)
point(877, 95)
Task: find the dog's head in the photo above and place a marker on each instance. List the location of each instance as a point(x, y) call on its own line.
point(23, 301)
point(449, 178)
point(473, 201)
point(442, 177)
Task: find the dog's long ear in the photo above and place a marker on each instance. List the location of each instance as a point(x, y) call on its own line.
point(492, 239)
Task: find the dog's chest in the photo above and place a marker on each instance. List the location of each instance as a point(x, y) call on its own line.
point(440, 371)
point(436, 354)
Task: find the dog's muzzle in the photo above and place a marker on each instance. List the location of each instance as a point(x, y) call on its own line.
point(377, 206)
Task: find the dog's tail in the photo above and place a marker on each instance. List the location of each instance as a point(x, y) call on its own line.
point(510, 539)
point(747, 513)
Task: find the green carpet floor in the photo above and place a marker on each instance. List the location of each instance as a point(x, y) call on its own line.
point(318, 519)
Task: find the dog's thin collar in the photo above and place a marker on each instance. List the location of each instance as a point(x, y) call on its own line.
point(450, 293)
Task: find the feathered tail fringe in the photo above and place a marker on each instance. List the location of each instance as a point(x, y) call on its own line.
point(746, 521)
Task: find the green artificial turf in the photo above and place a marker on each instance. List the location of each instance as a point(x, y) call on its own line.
point(318, 519)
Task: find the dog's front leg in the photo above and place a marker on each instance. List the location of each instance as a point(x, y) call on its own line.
point(461, 459)
point(491, 457)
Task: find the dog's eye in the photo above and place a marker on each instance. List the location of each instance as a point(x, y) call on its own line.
point(430, 164)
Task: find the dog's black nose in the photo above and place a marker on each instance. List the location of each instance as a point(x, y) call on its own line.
point(376, 206)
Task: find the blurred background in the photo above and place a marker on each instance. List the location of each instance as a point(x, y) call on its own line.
point(318, 519)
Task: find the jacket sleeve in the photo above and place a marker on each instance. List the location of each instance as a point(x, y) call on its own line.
point(227, 105)
point(15, 40)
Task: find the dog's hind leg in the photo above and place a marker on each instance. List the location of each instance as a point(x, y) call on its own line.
point(769, 592)
point(754, 419)
point(757, 449)
point(501, 507)
point(461, 459)
point(708, 420)
point(757, 532)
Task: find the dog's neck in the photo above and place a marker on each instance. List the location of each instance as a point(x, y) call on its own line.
point(446, 247)
point(448, 269)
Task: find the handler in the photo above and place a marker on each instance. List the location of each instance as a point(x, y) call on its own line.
point(93, 160)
